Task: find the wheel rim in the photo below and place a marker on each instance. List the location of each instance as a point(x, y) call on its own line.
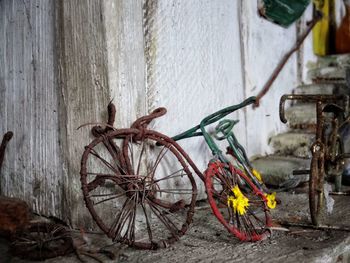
point(316, 191)
point(147, 211)
point(249, 226)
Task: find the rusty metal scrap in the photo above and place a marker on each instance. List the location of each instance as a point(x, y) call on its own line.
point(14, 216)
point(40, 241)
point(328, 149)
point(7, 137)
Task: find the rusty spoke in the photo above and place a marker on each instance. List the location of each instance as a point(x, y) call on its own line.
point(130, 219)
point(149, 229)
point(258, 220)
point(113, 149)
point(175, 191)
point(131, 150)
point(106, 163)
point(118, 224)
point(123, 178)
point(175, 174)
point(160, 156)
point(166, 211)
point(140, 158)
point(164, 219)
point(111, 198)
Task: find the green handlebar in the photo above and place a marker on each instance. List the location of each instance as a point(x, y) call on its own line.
point(213, 118)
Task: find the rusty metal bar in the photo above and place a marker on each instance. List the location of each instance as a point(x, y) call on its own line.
point(285, 58)
point(7, 137)
point(320, 227)
point(311, 99)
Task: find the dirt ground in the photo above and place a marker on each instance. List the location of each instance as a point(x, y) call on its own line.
point(208, 241)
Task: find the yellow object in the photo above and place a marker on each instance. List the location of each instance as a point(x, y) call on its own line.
point(322, 34)
point(238, 202)
point(271, 200)
point(257, 175)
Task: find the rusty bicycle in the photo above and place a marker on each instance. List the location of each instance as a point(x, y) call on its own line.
point(137, 192)
point(139, 188)
point(327, 150)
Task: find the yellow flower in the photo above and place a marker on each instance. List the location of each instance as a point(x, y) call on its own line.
point(236, 191)
point(238, 202)
point(257, 175)
point(271, 200)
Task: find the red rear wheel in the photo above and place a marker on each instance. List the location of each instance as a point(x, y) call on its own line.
point(236, 202)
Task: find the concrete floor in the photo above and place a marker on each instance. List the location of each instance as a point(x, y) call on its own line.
point(208, 241)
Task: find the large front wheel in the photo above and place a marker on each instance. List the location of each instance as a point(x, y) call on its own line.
point(236, 202)
point(145, 195)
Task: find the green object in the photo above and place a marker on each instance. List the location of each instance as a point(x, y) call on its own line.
point(200, 130)
point(283, 12)
point(223, 131)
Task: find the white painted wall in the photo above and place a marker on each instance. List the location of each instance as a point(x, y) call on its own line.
point(192, 57)
point(264, 44)
point(205, 56)
point(196, 67)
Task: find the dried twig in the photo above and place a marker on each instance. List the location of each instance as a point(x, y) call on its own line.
point(320, 227)
point(340, 193)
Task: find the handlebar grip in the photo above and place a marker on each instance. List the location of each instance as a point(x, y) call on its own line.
point(281, 108)
point(145, 120)
point(315, 98)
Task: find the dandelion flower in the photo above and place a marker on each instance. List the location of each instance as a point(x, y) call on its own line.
point(238, 201)
point(257, 175)
point(271, 200)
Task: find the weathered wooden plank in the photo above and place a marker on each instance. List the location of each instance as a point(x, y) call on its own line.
point(123, 22)
point(28, 104)
point(83, 91)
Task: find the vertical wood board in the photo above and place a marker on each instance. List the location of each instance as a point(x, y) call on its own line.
point(123, 22)
point(84, 91)
point(29, 104)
